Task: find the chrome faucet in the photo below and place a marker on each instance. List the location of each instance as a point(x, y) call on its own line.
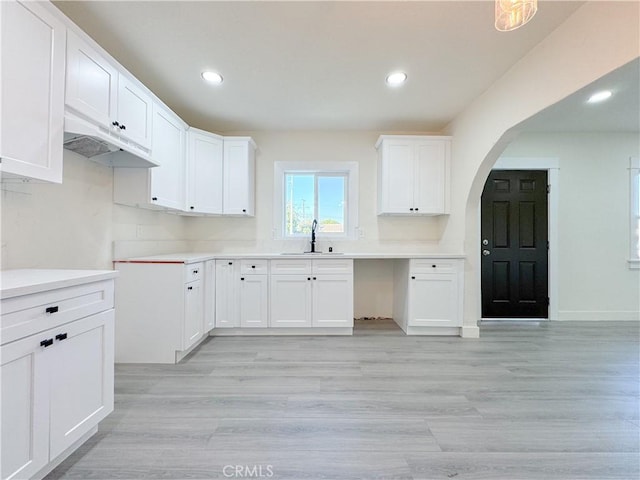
point(314, 226)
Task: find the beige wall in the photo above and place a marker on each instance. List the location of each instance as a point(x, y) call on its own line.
point(594, 281)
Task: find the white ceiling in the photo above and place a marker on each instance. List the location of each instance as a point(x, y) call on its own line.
point(314, 65)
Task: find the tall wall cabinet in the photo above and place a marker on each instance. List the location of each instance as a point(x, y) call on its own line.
point(32, 56)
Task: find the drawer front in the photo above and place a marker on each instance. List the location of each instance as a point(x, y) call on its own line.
point(424, 265)
point(331, 265)
point(257, 266)
point(291, 266)
point(193, 272)
point(29, 314)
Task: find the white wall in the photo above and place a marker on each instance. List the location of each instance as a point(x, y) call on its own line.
point(594, 281)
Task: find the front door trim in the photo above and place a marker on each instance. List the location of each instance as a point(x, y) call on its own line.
point(552, 166)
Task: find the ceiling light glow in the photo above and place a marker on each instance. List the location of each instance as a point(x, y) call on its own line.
point(396, 78)
point(600, 96)
point(212, 77)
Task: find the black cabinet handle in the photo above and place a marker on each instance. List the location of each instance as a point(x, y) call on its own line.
point(230, 263)
point(46, 343)
point(308, 278)
point(314, 278)
point(123, 127)
point(189, 288)
point(155, 199)
point(413, 278)
point(61, 336)
point(191, 207)
point(195, 272)
point(115, 124)
point(416, 209)
point(241, 278)
point(51, 310)
point(253, 266)
point(411, 209)
point(433, 266)
point(244, 210)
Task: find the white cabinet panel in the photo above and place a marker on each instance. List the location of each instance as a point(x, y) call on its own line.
point(239, 176)
point(396, 177)
point(204, 167)
point(430, 176)
point(227, 303)
point(82, 380)
point(25, 408)
point(290, 303)
point(135, 107)
point(434, 300)
point(254, 301)
point(32, 58)
point(92, 83)
point(193, 314)
point(332, 301)
point(209, 295)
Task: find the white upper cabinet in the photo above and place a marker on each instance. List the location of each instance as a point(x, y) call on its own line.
point(413, 175)
point(239, 176)
point(204, 172)
point(32, 58)
point(161, 187)
point(102, 95)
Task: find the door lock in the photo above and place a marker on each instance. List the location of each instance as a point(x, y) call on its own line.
point(486, 252)
point(485, 242)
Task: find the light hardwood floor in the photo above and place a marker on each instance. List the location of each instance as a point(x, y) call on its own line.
point(525, 401)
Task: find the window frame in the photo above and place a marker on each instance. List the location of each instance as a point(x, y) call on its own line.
point(634, 213)
point(347, 169)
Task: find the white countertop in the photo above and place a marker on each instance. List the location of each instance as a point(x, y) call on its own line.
point(14, 283)
point(188, 258)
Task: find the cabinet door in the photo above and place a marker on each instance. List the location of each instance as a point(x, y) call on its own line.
point(81, 378)
point(239, 170)
point(254, 301)
point(167, 180)
point(227, 314)
point(204, 164)
point(332, 301)
point(193, 314)
point(290, 301)
point(430, 177)
point(92, 83)
point(135, 108)
point(396, 177)
point(32, 59)
point(433, 300)
point(209, 295)
point(25, 406)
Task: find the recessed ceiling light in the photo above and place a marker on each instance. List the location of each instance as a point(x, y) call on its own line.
point(599, 96)
point(212, 77)
point(396, 78)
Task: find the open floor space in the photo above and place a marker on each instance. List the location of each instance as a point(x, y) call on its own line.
point(550, 400)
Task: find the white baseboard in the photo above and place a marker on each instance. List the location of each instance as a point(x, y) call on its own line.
point(594, 316)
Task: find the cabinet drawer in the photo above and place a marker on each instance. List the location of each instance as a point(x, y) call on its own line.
point(330, 265)
point(29, 314)
point(193, 271)
point(432, 266)
point(258, 266)
point(290, 266)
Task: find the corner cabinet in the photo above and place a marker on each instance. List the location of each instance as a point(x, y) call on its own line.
point(413, 175)
point(161, 187)
point(57, 371)
point(32, 56)
point(161, 315)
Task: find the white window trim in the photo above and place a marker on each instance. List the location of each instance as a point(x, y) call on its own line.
point(348, 168)
point(634, 192)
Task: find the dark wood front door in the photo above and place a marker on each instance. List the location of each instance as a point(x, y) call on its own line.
point(514, 245)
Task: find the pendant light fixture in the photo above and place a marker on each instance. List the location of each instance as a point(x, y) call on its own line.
point(512, 14)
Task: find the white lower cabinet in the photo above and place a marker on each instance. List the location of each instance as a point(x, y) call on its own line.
point(429, 294)
point(160, 311)
point(57, 384)
point(227, 273)
point(254, 301)
point(209, 294)
point(312, 299)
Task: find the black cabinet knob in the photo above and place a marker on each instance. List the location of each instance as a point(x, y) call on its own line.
point(411, 209)
point(244, 210)
point(51, 310)
point(191, 207)
point(314, 278)
point(308, 278)
point(416, 209)
point(61, 336)
point(433, 266)
point(46, 343)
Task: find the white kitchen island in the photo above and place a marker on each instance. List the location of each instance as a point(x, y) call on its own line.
point(169, 303)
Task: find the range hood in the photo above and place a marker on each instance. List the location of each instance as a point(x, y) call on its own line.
point(98, 144)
